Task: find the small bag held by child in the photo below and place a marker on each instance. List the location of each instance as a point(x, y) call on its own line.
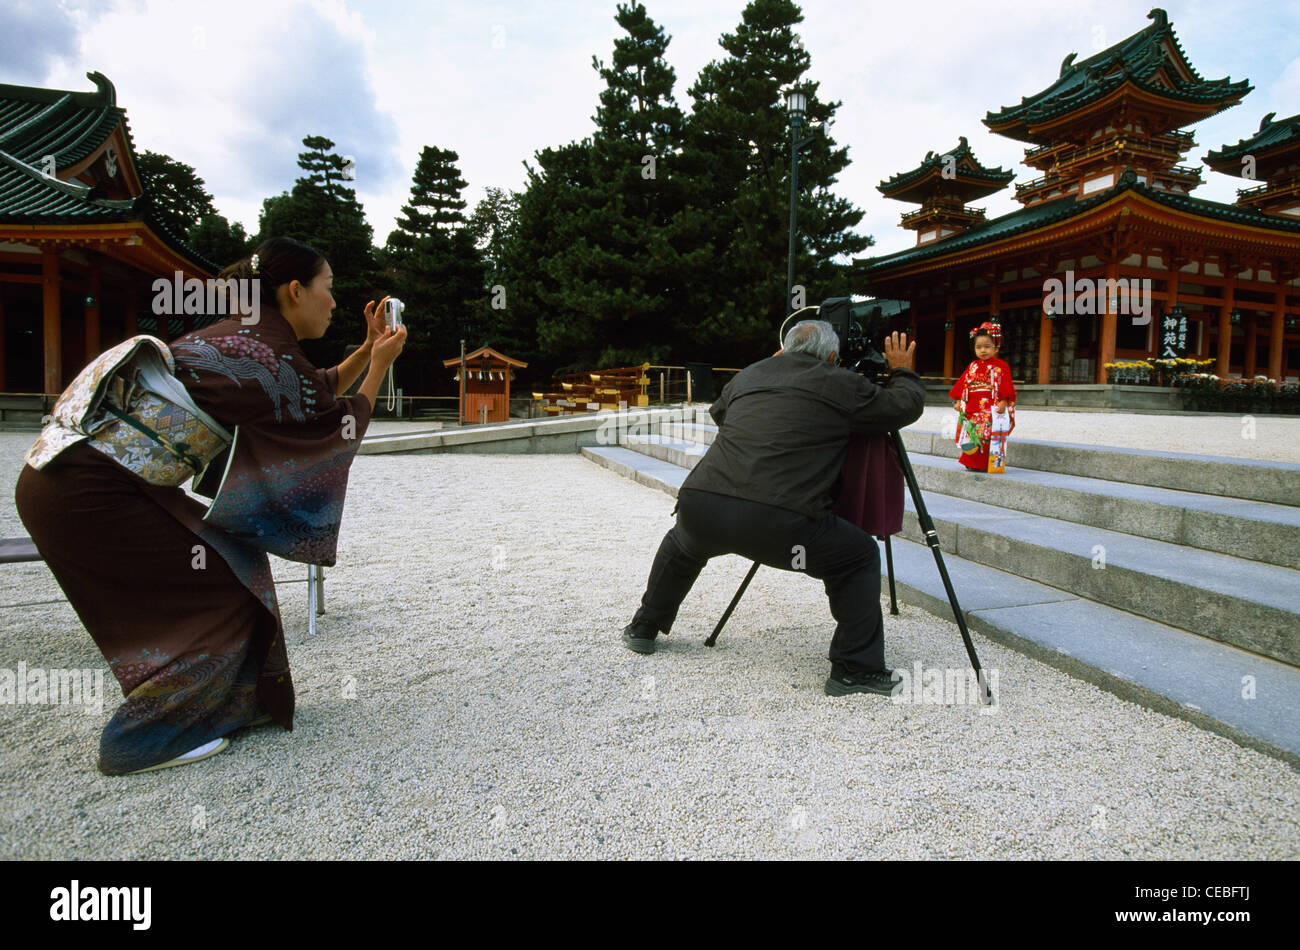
point(968, 435)
point(1001, 425)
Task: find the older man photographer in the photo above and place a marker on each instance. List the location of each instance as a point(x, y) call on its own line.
point(764, 490)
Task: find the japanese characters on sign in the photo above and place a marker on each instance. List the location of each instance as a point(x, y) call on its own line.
point(1173, 335)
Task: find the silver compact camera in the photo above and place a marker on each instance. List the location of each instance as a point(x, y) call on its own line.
point(393, 312)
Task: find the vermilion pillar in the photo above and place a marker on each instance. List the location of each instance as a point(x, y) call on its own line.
point(1044, 349)
point(52, 327)
point(950, 340)
point(1275, 338)
point(3, 381)
point(92, 314)
point(1225, 326)
point(1106, 346)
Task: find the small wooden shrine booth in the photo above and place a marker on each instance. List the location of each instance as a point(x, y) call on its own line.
point(484, 378)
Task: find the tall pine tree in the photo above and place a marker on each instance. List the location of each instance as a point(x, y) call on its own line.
point(739, 144)
point(537, 236)
point(616, 273)
point(324, 212)
point(437, 268)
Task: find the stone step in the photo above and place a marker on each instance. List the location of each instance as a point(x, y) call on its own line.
point(1245, 603)
point(651, 472)
point(683, 452)
point(1175, 672)
point(1255, 530)
point(1248, 479)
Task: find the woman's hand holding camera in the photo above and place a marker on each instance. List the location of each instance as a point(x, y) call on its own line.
point(375, 322)
point(388, 346)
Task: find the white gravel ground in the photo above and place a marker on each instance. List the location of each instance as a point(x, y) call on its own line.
point(467, 696)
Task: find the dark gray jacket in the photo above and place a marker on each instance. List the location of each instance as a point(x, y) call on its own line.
point(783, 429)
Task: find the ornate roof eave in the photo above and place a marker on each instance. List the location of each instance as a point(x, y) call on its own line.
point(1033, 127)
point(1094, 213)
point(151, 247)
point(933, 164)
point(1153, 49)
point(1272, 135)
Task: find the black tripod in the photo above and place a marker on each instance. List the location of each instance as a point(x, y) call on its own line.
point(931, 538)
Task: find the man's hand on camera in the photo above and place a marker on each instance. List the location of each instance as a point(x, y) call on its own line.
point(899, 354)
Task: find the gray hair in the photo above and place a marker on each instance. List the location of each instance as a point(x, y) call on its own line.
point(815, 337)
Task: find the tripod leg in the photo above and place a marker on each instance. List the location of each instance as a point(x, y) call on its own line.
point(932, 539)
point(713, 637)
point(893, 594)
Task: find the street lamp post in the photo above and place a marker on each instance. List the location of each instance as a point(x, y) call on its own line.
point(796, 104)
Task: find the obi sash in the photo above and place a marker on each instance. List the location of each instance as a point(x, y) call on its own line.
point(128, 405)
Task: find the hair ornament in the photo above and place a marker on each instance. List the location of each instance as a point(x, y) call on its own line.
point(992, 329)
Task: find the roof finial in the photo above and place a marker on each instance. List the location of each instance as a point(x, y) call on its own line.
point(104, 87)
point(1159, 16)
point(1066, 64)
point(1267, 120)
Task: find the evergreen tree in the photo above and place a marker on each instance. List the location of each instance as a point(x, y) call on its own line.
point(437, 269)
point(491, 224)
point(175, 192)
point(617, 286)
point(538, 234)
point(324, 212)
point(739, 144)
point(218, 240)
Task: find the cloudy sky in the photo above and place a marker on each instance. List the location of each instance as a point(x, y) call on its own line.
point(232, 87)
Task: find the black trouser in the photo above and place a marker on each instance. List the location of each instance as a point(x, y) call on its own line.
point(841, 555)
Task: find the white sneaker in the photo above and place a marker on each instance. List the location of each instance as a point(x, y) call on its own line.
point(205, 751)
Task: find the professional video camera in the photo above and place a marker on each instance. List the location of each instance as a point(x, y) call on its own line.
point(861, 328)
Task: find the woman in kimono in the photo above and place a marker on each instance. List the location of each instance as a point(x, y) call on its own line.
point(985, 385)
point(179, 598)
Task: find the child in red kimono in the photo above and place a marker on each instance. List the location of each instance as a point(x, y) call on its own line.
point(984, 386)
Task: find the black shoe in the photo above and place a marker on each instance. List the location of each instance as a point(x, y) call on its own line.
point(842, 682)
point(640, 637)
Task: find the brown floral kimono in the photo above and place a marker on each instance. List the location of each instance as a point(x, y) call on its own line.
point(179, 597)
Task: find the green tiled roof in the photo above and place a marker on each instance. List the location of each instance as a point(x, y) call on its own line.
point(1272, 133)
point(35, 123)
point(1136, 60)
point(1050, 212)
point(961, 154)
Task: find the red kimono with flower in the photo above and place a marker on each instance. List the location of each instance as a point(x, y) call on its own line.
point(982, 384)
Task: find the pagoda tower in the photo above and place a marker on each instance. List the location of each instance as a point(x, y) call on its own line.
point(1124, 107)
point(1271, 154)
point(942, 185)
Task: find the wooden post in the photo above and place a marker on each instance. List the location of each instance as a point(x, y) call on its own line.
point(52, 325)
point(92, 312)
point(950, 340)
point(1275, 337)
point(1106, 345)
point(131, 325)
point(1221, 366)
point(3, 381)
point(1252, 332)
point(1044, 349)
